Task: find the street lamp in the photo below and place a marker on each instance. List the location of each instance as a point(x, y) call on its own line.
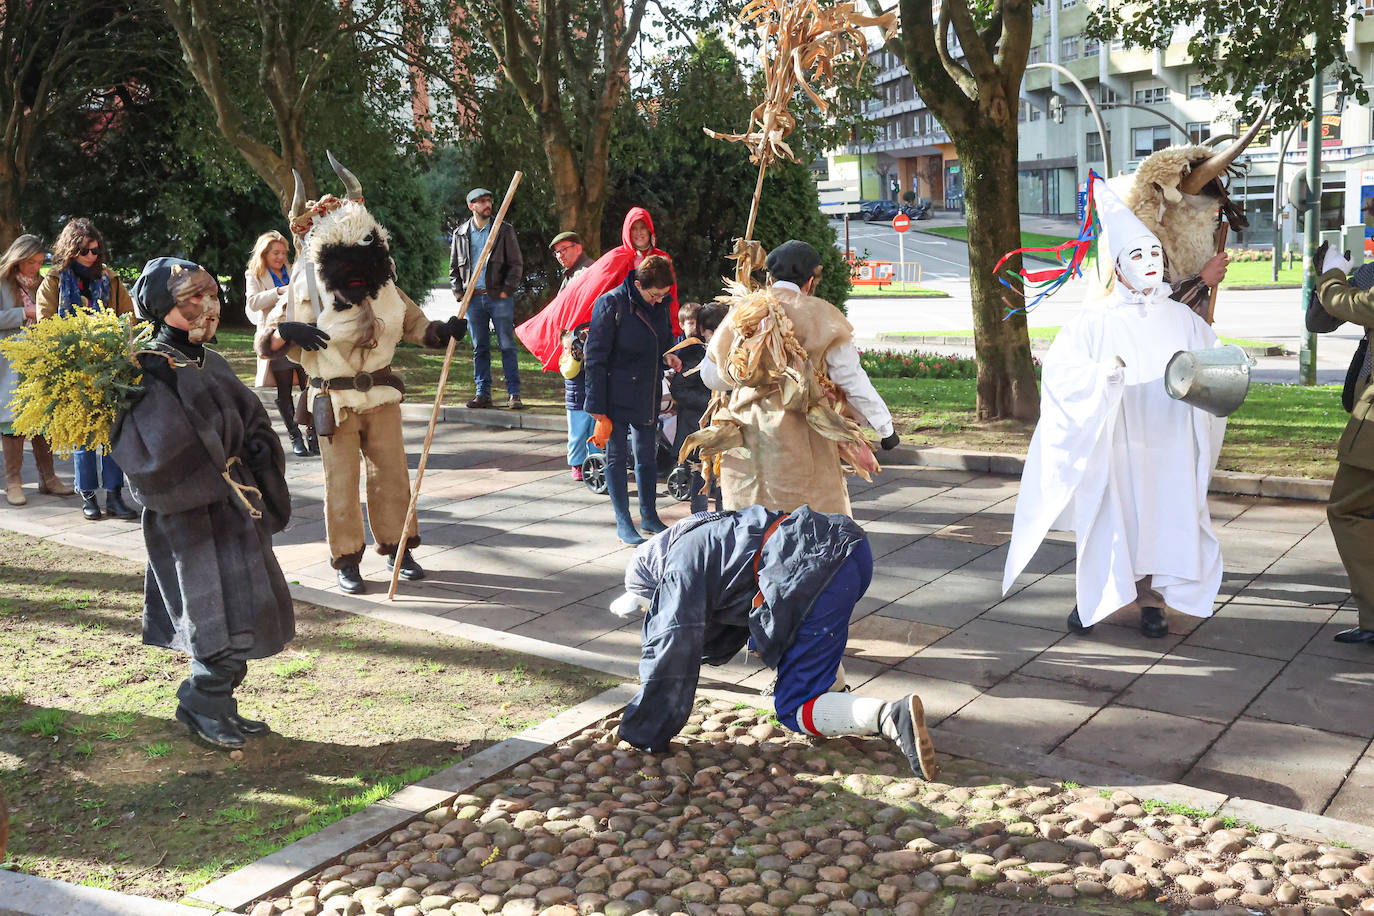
point(1092, 106)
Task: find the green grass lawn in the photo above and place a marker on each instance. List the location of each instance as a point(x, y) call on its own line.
point(1028, 239)
point(898, 289)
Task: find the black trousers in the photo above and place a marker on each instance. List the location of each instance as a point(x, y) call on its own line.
point(209, 691)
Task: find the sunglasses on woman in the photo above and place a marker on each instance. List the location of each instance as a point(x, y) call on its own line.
point(94, 249)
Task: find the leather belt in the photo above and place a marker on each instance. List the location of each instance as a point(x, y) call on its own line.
point(363, 381)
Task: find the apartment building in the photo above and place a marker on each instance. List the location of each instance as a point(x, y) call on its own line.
point(1147, 99)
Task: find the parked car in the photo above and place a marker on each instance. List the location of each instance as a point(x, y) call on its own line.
point(882, 210)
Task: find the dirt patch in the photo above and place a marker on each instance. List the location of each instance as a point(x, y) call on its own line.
point(106, 789)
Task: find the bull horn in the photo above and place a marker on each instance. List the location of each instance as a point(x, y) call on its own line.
point(298, 200)
point(352, 188)
point(1197, 179)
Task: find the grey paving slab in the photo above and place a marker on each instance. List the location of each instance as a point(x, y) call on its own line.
point(932, 557)
point(1324, 644)
point(1108, 658)
point(1203, 683)
point(1300, 580)
point(27, 895)
point(981, 653)
point(1287, 765)
point(1051, 556)
point(1327, 693)
point(1290, 516)
point(1045, 602)
point(1141, 741)
point(1354, 800)
point(1027, 712)
point(1272, 630)
point(940, 698)
point(952, 600)
point(888, 640)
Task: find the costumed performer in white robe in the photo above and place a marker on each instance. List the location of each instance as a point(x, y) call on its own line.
point(1115, 459)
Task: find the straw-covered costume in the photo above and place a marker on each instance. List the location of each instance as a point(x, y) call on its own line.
point(351, 316)
point(784, 428)
point(1115, 459)
point(200, 453)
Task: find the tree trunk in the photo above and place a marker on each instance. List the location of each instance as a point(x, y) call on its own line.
point(1006, 375)
point(576, 211)
point(11, 192)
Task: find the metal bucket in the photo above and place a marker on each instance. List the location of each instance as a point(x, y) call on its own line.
point(1214, 380)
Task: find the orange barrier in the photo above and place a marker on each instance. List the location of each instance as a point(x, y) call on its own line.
point(872, 273)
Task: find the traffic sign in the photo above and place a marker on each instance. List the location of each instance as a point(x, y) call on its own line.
point(901, 222)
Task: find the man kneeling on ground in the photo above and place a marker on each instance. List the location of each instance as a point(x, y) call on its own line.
point(785, 583)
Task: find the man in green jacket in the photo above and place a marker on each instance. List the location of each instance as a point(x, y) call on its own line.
point(1351, 507)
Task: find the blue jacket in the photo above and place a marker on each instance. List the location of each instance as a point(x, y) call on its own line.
point(575, 392)
point(624, 355)
point(701, 574)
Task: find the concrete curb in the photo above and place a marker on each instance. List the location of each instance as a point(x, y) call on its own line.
point(27, 895)
point(286, 866)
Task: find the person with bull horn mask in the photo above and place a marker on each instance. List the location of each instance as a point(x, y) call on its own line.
point(1115, 459)
point(351, 317)
point(199, 452)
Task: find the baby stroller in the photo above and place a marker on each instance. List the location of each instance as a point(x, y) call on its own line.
point(594, 468)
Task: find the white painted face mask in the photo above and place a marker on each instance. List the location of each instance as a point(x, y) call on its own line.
point(1141, 263)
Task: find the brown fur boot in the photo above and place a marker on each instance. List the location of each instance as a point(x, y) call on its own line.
point(14, 460)
point(48, 481)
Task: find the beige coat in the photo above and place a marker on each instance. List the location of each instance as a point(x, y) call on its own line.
point(1341, 300)
point(260, 298)
point(784, 463)
point(49, 292)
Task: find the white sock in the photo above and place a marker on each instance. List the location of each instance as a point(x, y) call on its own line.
point(840, 714)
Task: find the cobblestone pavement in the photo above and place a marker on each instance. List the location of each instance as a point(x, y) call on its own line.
point(746, 819)
point(1257, 702)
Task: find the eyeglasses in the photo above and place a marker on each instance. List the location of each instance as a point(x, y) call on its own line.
point(94, 249)
point(564, 249)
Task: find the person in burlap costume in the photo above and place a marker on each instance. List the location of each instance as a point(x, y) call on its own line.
point(785, 424)
point(351, 316)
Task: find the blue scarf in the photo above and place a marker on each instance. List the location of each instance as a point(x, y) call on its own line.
point(69, 293)
point(281, 281)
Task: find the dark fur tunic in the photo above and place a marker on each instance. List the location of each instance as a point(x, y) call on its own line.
point(213, 587)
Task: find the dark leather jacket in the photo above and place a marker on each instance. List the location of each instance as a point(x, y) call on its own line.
point(505, 266)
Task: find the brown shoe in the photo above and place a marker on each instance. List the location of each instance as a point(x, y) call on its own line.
point(515, 403)
point(480, 402)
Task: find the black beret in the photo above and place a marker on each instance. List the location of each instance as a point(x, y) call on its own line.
point(793, 262)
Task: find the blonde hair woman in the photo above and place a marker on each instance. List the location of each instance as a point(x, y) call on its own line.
point(267, 281)
point(80, 279)
point(19, 269)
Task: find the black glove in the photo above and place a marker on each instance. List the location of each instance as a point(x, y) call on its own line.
point(305, 336)
point(454, 329)
point(890, 442)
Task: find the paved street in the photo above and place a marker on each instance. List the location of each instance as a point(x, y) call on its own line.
point(1257, 702)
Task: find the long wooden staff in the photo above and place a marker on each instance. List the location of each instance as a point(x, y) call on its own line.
point(443, 380)
point(1223, 228)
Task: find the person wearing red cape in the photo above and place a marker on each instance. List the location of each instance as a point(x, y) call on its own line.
point(542, 334)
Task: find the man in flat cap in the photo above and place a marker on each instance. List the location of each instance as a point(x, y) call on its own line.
point(567, 249)
point(493, 295)
point(784, 459)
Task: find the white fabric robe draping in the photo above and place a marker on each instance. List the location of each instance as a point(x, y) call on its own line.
point(1123, 465)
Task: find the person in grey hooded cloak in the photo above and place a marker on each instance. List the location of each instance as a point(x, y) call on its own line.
point(200, 454)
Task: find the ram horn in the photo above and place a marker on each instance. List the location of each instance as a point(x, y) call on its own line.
point(1213, 167)
point(298, 200)
point(353, 189)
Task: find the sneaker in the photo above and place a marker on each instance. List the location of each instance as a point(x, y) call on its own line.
point(904, 721)
point(577, 472)
point(515, 403)
point(480, 402)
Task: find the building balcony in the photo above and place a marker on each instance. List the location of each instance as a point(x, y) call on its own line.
point(918, 143)
point(899, 108)
point(890, 74)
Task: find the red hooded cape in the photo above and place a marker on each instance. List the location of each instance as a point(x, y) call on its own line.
point(541, 334)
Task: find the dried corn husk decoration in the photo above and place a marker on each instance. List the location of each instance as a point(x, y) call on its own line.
point(767, 357)
point(802, 42)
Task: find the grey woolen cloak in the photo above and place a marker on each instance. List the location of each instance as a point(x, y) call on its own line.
point(213, 587)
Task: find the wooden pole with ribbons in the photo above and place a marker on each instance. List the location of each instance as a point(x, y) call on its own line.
point(477, 269)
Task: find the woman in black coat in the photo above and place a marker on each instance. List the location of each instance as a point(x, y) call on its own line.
point(624, 364)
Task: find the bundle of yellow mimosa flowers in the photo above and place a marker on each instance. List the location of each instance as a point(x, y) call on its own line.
point(74, 372)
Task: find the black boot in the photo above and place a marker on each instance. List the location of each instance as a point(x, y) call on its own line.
point(350, 580)
point(1076, 623)
point(250, 727)
point(1152, 622)
point(211, 729)
point(293, 431)
point(89, 507)
point(312, 441)
point(116, 508)
point(410, 570)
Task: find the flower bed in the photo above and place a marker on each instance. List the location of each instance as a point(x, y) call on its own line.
point(915, 364)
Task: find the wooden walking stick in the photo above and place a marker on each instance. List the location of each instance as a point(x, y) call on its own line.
point(1223, 228)
point(477, 269)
